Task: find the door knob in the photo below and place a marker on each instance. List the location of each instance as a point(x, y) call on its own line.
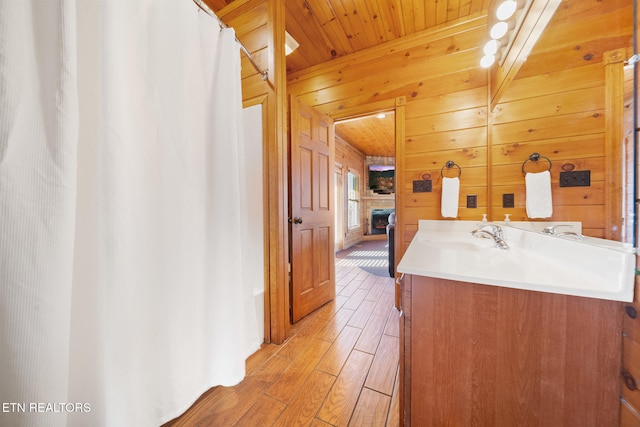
point(297, 220)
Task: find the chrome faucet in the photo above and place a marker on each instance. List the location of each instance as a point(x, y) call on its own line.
point(551, 231)
point(495, 233)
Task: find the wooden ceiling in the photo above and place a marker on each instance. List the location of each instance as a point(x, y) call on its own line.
point(372, 135)
point(329, 29)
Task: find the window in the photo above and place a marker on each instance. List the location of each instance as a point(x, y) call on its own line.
point(353, 196)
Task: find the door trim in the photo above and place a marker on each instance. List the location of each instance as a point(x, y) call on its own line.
point(398, 106)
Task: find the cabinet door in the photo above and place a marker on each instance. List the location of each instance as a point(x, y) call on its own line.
point(630, 404)
point(403, 285)
point(487, 355)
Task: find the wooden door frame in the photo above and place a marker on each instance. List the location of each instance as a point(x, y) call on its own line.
point(397, 105)
point(278, 202)
point(277, 176)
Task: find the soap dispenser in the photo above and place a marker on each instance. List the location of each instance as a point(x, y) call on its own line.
point(484, 218)
point(507, 219)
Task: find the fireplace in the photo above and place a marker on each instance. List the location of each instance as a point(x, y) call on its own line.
point(380, 220)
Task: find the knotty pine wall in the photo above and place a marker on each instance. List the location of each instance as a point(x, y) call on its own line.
point(350, 159)
point(555, 106)
point(250, 20)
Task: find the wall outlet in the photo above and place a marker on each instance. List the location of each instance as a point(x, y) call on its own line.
point(423, 186)
point(508, 200)
point(472, 201)
point(575, 179)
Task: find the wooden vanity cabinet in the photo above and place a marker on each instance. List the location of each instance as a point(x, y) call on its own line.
point(630, 399)
point(478, 355)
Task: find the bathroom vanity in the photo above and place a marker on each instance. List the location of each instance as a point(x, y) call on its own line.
point(526, 336)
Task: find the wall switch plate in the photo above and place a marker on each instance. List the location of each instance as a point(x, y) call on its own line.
point(508, 200)
point(423, 186)
point(575, 179)
point(472, 201)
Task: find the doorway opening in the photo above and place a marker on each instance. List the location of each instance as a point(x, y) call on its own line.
point(365, 183)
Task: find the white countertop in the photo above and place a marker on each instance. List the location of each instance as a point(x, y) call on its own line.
point(536, 262)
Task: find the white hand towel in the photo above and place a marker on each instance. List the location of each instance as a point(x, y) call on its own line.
point(539, 204)
point(450, 194)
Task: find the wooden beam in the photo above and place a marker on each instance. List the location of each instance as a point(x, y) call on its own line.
point(527, 33)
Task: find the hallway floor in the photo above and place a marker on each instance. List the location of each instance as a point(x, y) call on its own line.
point(338, 368)
point(371, 256)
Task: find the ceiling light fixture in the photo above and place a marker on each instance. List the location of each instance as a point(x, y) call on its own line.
point(487, 61)
point(498, 30)
point(381, 116)
point(505, 21)
point(290, 44)
point(506, 9)
point(491, 47)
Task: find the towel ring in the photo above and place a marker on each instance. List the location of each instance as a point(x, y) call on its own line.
point(449, 165)
point(534, 157)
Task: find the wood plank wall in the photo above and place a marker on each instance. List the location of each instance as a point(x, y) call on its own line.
point(350, 159)
point(249, 19)
point(555, 106)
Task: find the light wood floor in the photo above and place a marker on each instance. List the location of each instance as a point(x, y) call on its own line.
point(338, 368)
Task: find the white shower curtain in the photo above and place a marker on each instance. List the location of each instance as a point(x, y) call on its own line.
point(122, 297)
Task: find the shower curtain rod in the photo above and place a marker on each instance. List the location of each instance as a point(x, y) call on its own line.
point(208, 11)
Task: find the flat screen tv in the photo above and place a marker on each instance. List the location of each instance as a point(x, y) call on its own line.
point(381, 178)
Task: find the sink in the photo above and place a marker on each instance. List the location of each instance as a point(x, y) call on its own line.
point(536, 261)
point(453, 245)
point(609, 244)
point(456, 241)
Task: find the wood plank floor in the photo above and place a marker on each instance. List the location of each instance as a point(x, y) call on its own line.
point(338, 368)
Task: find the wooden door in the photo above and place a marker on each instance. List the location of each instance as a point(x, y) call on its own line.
point(312, 210)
